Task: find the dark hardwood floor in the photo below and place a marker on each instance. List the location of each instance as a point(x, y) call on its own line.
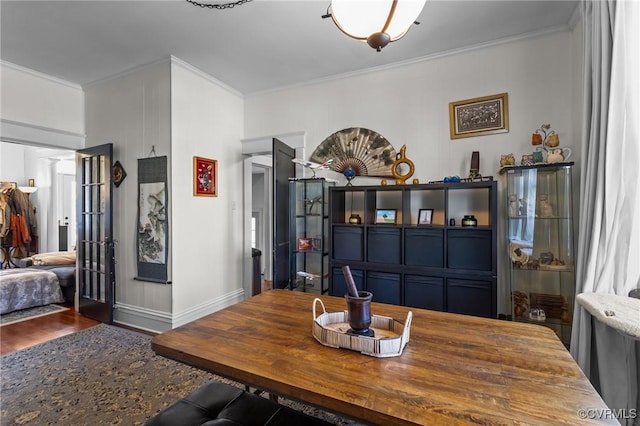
point(14, 337)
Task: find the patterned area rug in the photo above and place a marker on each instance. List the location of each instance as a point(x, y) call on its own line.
point(102, 375)
point(29, 313)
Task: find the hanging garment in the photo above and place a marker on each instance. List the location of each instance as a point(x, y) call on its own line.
point(5, 215)
point(19, 234)
point(25, 208)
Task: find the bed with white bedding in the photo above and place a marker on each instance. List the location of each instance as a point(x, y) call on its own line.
point(22, 288)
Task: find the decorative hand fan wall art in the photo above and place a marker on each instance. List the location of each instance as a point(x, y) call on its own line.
point(357, 151)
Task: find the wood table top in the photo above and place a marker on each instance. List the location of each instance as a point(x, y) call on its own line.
point(456, 369)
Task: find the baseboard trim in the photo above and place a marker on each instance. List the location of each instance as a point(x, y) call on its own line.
point(158, 321)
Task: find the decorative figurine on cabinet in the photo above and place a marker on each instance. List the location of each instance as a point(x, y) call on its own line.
point(527, 160)
point(520, 303)
point(541, 137)
point(350, 173)
point(401, 158)
point(507, 160)
point(537, 314)
point(558, 155)
point(550, 143)
point(474, 171)
point(544, 206)
point(513, 205)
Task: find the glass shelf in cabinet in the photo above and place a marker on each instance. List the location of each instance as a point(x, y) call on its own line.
point(543, 268)
point(547, 321)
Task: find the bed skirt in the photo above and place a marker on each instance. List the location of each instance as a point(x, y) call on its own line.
point(23, 288)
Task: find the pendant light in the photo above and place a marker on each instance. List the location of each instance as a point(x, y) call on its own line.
point(378, 22)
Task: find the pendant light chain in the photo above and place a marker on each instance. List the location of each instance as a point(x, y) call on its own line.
point(219, 6)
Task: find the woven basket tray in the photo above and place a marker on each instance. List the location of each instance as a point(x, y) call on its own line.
point(391, 336)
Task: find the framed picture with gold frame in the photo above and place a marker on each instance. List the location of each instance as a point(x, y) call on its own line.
point(479, 116)
point(205, 177)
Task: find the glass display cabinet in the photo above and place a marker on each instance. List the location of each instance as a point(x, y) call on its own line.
point(541, 246)
point(309, 254)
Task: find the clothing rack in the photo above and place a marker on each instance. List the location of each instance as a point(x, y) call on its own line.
point(18, 226)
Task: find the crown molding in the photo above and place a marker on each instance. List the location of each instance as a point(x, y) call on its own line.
point(40, 75)
point(396, 65)
point(576, 16)
point(172, 60)
point(125, 73)
point(197, 71)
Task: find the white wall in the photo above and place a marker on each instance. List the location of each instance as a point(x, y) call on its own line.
point(36, 99)
point(133, 113)
point(12, 163)
point(38, 110)
point(409, 105)
point(206, 121)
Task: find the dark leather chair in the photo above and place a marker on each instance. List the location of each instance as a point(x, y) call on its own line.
point(219, 404)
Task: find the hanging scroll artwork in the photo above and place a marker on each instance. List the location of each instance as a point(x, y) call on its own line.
point(152, 238)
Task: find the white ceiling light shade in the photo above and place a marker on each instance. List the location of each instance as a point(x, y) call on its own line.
point(378, 22)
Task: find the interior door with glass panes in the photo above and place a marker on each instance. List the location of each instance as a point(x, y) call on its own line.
point(95, 248)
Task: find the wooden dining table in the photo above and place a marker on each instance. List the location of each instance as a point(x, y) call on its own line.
point(456, 369)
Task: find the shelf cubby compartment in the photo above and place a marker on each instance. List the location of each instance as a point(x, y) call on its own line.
point(386, 199)
point(471, 297)
point(424, 247)
point(431, 199)
point(424, 292)
point(348, 242)
point(470, 201)
point(385, 287)
point(469, 248)
point(383, 244)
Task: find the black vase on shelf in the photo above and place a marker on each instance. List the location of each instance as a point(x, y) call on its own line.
point(469, 220)
point(355, 219)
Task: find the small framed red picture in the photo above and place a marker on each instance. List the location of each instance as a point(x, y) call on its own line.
point(205, 177)
point(305, 244)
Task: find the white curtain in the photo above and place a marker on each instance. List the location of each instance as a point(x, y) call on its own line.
point(609, 232)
